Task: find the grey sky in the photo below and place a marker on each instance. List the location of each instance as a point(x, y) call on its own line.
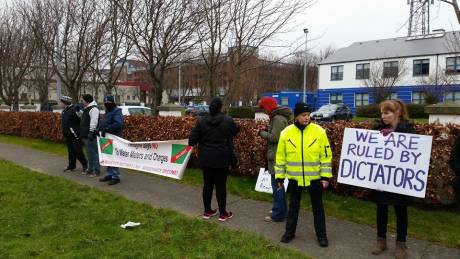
point(342, 22)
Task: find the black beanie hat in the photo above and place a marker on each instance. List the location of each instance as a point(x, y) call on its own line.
point(215, 106)
point(88, 98)
point(301, 108)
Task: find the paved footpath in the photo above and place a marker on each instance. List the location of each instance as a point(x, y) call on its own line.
point(347, 239)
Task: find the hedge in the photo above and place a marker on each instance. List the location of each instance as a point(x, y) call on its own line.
point(241, 112)
point(250, 147)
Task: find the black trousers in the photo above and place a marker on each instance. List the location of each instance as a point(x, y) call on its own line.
point(215, 177)
point(457, 190)
point(75, 151)
point(401, 221)
point(316, 196)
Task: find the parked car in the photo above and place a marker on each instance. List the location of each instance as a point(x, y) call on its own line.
point(332, 112)
point(135, 110)
point(198, 110)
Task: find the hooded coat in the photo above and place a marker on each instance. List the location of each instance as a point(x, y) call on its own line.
point(279, 119)
point(214, 136)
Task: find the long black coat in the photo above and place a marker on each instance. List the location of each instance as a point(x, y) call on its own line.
point(454, 161)
point(70, 122)
point(389, 197)
point(214, 136)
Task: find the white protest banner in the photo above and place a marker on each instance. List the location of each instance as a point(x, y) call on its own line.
point(395, 163)
point(166, 158)
point(264, 182)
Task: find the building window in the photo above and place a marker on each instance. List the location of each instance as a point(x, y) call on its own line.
point(421, 67)
point(128, 97)
point(361, 99)
point(285, 101)
point(452, 97)
point(390, 69)
point(392, 96)
point(362, 71)
point(336, 73)
point(335, 98)
point(418, 97)
point(453, 65)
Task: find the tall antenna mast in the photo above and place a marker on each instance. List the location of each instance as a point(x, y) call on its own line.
point(419, 19)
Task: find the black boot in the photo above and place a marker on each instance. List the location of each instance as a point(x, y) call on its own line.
point(323, 241)
point(286, 238)
point(105, 178)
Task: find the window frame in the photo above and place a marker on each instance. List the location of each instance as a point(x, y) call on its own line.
point(335, 97)
point(363, 72)
point(390, 70)
point(337, 75)
point(362, 101)
point(418, 71)
point(456, 65)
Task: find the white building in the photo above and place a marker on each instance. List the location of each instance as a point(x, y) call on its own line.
point(424, 64)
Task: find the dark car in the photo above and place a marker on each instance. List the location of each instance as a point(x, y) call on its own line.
point(332, 112)
point(199, 110)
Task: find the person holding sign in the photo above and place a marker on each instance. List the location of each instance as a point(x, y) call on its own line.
point(394, 118)
point(279, 119)
point(304, 156)
point(214, 134)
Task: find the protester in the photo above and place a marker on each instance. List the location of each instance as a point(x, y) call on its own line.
point(89, 131)
point(113, 124)
point(394, 118)
point(214, 134)
point(304, 157)
point(70, 128)
point(279, 119)
point(455, 165)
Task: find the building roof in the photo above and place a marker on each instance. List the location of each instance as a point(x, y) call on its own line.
point(395, 48)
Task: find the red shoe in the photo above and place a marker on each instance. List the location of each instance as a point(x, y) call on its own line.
point(225, 216)
point(209, 214)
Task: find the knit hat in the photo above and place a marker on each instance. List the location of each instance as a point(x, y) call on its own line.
point(215, 106)
point(66, 99)
point(109, 99)
point(301, 107)
point(268, 103)
point(88, 98)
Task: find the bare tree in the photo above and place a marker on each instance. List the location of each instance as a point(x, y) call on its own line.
point(17, 52)
point(42, 76)
point(455, 6)
point(382, 79)
point(72, 31)
point(116, 45)
point(254, 22)
point(161, 31)
point(212, 35)
point(435, 85)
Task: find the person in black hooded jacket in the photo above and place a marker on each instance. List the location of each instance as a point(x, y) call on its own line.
point(214, 134)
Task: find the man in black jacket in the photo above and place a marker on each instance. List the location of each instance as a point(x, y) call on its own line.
point(455, 165)
point(70, 128)
point(214, 135)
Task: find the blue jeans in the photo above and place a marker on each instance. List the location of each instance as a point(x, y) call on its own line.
point(279, 209)
point(93, 156)
point(113, 172)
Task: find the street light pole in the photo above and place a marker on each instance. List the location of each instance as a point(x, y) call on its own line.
point(304, 99)
point(180, 65)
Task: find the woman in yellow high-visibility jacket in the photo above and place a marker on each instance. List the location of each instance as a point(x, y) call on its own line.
point(304, 156)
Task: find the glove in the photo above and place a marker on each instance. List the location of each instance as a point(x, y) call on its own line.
point(92, 135)
point(387, 131)
point(263, 133)
point(102, 133)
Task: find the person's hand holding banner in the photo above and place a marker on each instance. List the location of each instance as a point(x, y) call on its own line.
point(385, 161)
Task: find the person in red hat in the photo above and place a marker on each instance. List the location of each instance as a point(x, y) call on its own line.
point(279, 119)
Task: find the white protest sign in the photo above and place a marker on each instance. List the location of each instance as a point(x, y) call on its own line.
point(166, 158)
point(397, 163)
point(264, 182)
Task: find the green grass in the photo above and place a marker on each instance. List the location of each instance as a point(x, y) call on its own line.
point(438, 226)
point(38, 144)
point(373, 119)
point(48, 217)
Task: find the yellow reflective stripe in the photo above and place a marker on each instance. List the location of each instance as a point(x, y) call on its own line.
point(302, 174)
point(304, 163)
